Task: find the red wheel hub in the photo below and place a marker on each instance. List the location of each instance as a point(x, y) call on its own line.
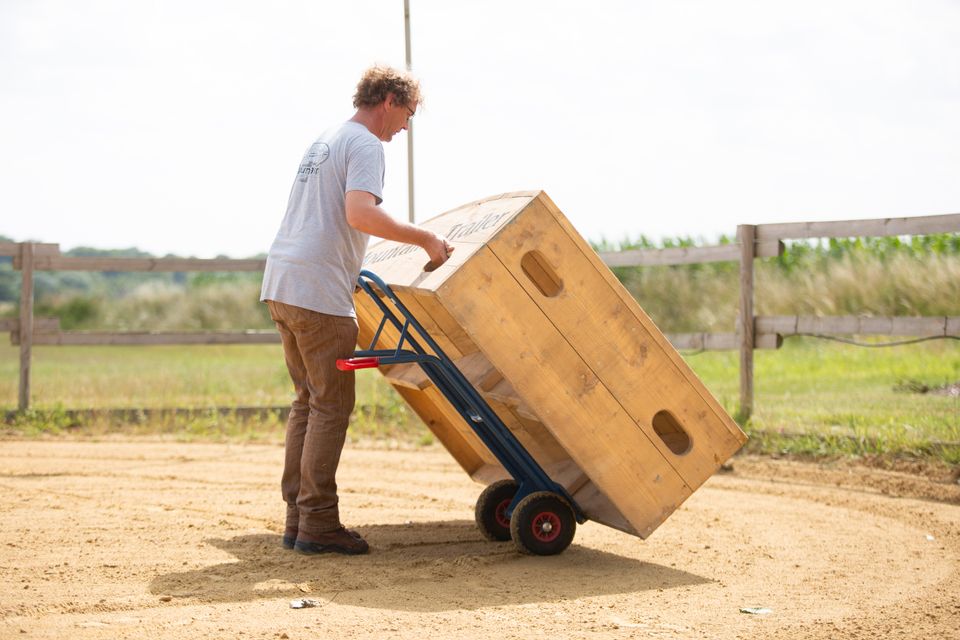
point(500, 514)
point(546, 526)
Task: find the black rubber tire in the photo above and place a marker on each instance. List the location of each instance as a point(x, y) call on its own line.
point(542, 524)
point(491, 519)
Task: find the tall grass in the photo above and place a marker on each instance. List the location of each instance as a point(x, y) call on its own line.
point(857, 284)
point(163, 306)
point(691, 298)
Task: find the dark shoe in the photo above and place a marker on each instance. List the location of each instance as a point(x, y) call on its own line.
point(289, 538)
point(338, 541)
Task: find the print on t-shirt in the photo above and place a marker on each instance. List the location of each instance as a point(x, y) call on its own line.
point(315, 156)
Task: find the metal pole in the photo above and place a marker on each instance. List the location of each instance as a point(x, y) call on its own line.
point(406, 28)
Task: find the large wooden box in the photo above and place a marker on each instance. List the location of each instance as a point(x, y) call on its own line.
point(562, 353)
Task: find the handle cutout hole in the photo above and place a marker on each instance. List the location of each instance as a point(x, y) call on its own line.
point(670, 431)
point(541, 274)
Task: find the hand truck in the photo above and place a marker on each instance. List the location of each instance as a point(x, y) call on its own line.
point(538, 514)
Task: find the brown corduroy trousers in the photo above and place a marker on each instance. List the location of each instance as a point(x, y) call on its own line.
point(317, 424)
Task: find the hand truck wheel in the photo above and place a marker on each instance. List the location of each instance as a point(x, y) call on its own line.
point(491, 511)
point(542, 524)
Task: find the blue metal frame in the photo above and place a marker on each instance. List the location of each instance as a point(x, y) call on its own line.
point(455, 387)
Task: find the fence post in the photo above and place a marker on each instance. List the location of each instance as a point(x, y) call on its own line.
point(26, 321)
point(747, 234)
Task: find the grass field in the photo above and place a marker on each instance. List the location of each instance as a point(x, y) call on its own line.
point(812, 396)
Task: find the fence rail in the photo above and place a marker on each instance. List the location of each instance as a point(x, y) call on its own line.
point(859, 325)
point(169, 265)
point(753, 241)
point(686, 255)
point(106, 338)
point(914, 226)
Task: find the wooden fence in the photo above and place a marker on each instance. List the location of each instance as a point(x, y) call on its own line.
point(753, 241)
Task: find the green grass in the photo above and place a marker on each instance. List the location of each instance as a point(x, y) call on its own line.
point(825, 398)
point(812, 397)
point(161, 376)
point(197, 377)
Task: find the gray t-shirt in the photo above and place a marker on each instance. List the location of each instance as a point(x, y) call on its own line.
point(316, 257)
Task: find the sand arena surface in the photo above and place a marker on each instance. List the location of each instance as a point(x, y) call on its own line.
point(144, 539)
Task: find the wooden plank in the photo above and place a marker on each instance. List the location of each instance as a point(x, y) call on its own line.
point(567, 473)
point(918, 225)
point(408, 376)
point(467, 228)
point(368, 319)
point(447, 325)
point(152, 338)
point(40, 249)
point(686, 255)
point(40, 325)
point(857, 325)
point(786, 325)
point(458, 424)
point(578, 411)
point(178, 265)
point(917, 326)
point(722, 341)
point(504, 393)
point(414, 305)
point(812, 324)
point(900, 326)
point(489, 473)
point(25, 330)
point(369, 316)
point(619, 349)
point(953, 326)
point(598, 507)
point(421, 395)
point(658, 338)
point(439, 424)
point(746, 233)
point(531, 433)
point(538, 430)
point(544, 450)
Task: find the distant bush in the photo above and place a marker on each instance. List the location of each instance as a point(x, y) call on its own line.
point(903, 284)
point(74, 312)
point(213, 307)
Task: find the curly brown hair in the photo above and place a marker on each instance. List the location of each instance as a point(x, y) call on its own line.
point(380, 80)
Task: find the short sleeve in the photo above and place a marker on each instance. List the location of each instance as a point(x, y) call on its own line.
point(365, 170)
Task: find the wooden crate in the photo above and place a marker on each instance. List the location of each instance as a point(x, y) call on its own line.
point(563, 354)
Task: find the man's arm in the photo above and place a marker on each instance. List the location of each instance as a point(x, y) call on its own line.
point(364, 215)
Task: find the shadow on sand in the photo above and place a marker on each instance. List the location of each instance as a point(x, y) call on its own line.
point(430, 566)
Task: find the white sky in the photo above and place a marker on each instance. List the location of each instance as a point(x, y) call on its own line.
point(178, 126)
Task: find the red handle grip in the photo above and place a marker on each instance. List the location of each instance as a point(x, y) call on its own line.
point(351, 364)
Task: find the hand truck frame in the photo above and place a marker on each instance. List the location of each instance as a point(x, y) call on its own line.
point(538, 514)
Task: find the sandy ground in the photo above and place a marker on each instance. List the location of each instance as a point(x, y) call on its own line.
point(165, 540)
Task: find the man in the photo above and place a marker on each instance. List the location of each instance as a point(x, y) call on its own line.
point(308, 285)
